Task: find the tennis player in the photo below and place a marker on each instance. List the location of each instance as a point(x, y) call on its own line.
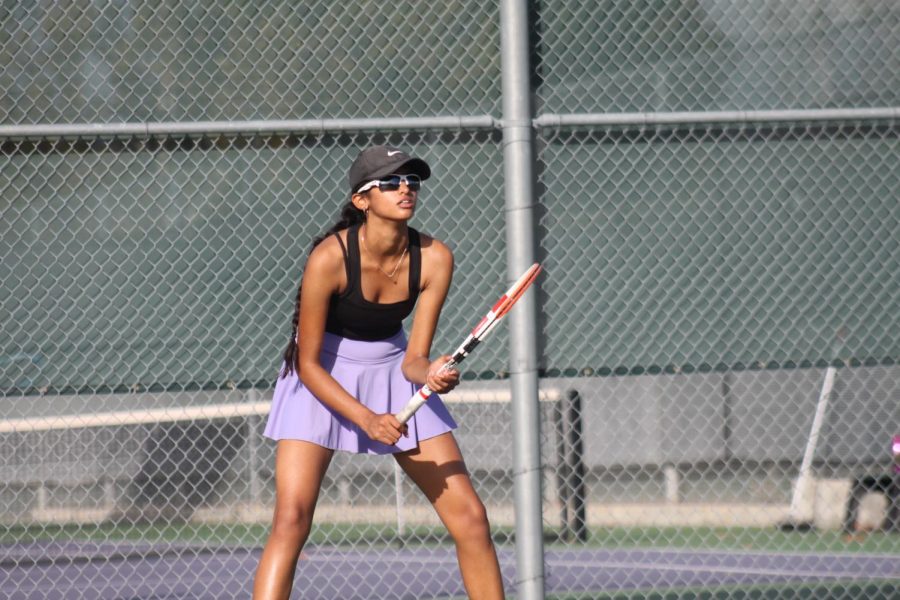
point(348, 369)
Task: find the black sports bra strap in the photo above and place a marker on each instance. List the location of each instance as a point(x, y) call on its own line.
point(354, 262)
point(415, 262)
point(346, 256)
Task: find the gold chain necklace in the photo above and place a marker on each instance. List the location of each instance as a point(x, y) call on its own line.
point(396, 267)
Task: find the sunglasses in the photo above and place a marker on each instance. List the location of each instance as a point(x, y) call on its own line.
point(391, 183)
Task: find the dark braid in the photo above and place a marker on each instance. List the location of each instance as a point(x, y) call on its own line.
point(350, 215)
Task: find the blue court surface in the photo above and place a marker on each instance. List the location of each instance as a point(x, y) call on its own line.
point(141, 572)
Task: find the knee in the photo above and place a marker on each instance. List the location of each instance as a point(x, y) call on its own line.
point(471, 521)
point(291, 526)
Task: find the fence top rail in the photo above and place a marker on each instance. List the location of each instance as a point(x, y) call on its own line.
point(258, 127)
point(448, 123)
point(725, 117)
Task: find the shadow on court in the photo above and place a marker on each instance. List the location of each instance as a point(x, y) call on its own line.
point(50, 570)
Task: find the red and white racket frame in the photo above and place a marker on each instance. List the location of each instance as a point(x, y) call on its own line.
point(484, 327)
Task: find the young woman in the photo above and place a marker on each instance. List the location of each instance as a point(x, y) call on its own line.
point(348, 369)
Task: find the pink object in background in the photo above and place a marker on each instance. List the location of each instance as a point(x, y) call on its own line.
point(895, 448)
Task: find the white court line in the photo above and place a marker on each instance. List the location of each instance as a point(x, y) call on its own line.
point(367, 559)
point(783, 553)
point(587, 564)
point(713, 569)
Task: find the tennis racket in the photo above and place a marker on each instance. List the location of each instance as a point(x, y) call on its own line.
point(484, 327)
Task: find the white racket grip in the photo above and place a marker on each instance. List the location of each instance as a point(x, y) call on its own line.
point(422, 396)
point(414, 404)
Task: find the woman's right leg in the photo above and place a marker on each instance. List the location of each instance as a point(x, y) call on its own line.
point(299, 469)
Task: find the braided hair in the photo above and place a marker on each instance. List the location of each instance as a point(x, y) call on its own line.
point(350, 215)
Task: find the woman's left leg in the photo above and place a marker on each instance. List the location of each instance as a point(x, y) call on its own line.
point(437, 467)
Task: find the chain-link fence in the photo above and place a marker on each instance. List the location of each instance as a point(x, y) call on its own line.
point(718, 217)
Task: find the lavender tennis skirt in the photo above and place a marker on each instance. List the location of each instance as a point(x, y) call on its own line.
point(370, 372)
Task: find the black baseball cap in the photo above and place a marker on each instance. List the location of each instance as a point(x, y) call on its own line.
point(377, 161)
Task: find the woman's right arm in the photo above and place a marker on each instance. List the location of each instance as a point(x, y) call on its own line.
point(322, 278)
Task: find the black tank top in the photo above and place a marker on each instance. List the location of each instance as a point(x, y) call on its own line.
point(352, 316)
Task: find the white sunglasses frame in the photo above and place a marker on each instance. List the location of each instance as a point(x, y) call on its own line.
point(376, 182)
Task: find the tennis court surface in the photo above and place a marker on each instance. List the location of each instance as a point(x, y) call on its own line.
point(141, 572)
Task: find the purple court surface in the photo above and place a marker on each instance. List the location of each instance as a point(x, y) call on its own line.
point(142, 572)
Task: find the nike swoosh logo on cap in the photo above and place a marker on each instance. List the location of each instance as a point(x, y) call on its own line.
point(393, 152)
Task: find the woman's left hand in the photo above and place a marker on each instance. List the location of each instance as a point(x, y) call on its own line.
point(443, 381)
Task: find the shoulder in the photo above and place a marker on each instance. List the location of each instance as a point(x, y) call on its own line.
point(328, 250)
point(437, 262)
point(435, 252)
point(326, 261)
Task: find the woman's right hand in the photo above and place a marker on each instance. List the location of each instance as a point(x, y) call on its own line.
point(384, 428)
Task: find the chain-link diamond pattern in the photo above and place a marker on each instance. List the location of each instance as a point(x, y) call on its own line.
point(652, 55)
point(84, 62)
point(125, 251)
point(760, 247)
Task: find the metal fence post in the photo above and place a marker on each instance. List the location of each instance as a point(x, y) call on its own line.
point(570, 469)
point(518, 135)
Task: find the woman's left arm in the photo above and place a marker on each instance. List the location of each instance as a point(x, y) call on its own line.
point(437, 272)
